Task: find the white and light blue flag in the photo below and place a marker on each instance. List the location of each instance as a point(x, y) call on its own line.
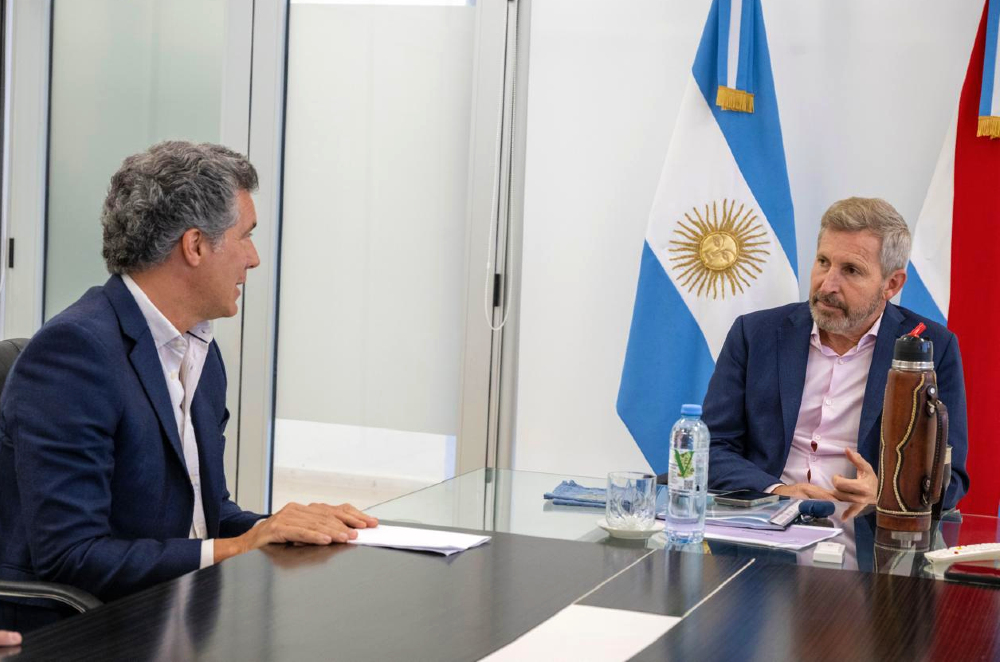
point(721, 235)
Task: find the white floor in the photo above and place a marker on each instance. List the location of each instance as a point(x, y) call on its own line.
point(303, 486)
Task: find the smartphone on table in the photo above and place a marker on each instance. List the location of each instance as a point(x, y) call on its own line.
point(744, 498)
point(974, 572)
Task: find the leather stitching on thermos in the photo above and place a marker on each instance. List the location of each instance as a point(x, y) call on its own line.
point(899, 452)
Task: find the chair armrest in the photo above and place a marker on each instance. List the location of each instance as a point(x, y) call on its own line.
point(74, 597)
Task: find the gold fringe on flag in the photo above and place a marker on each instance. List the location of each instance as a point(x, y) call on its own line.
point(989, 126)
point(729, 99)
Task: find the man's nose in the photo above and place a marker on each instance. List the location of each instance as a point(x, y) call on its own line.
point(830, 282)
point(253, 259)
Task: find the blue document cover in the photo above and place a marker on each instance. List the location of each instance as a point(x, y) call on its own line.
point(571, 493)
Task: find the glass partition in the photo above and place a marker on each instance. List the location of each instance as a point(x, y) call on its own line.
point(125, 74)
point(374, 241)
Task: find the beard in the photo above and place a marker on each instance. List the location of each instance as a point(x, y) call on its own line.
point(849, 321)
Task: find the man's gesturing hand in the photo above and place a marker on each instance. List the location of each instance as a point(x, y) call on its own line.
point(315, 524)
point(864, 488)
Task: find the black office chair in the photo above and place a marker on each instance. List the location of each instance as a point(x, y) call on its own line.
point(74, 597)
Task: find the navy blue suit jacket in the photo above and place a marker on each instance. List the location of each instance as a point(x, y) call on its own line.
point(93, 486)
point(755, 393)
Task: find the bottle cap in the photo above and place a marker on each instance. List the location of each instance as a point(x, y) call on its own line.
point(690, 410)
point(914, 349)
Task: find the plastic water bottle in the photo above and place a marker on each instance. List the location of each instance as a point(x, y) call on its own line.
point(688, 477)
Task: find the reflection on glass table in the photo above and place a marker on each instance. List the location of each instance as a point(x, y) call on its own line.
point(512, 502)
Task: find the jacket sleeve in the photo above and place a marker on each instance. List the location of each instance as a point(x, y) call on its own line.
point(64, 408)
point(233, 520)
point(951, 385)
point(725, 413)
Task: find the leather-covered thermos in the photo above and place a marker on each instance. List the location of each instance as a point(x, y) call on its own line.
point(913, 440)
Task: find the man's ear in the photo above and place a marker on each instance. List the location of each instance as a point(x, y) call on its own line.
point(193, 245)
point(894, 284)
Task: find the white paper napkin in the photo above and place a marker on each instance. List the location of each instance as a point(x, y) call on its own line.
point(595, 634)
point(425, 540)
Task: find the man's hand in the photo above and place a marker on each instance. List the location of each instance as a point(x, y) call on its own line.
point(804, 491)
point(864, 488)
point(315, 524)
point(9, 638)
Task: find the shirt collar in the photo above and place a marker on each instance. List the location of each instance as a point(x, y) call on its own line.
point(159, 326)
point(868, 339)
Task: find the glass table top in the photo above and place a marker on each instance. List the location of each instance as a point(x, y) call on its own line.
point(512, 501)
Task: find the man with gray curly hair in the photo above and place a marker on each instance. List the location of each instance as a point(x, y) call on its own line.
point(795, 400)
point(112, 419)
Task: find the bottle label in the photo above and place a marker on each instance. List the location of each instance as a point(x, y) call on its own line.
point(683, 470)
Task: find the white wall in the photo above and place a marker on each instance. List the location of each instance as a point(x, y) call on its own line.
point(363, 451)
point(866, 92)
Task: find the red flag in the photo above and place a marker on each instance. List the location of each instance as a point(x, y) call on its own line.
point(974, 308)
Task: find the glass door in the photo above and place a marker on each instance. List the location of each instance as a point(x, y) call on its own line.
point(388, 193)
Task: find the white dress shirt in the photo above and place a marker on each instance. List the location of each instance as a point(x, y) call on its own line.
point(182, 358)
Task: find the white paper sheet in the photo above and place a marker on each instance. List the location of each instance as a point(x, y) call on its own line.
point(795, 537)
point(425, 540)
point(595, 634)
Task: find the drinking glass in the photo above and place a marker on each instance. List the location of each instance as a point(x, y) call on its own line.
point(631, 500)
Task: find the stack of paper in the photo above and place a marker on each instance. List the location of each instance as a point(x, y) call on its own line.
point(795, 537)
point(424, 540)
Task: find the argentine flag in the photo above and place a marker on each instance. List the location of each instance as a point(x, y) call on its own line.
point(929, 279)
point(721, 235)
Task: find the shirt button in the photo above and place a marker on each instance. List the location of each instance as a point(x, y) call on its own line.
point(817, 437)
point(812, 457)
point(173, 375)
point(840, 361)
point(829, 402)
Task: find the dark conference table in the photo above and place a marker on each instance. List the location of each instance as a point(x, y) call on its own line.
point(363, 603)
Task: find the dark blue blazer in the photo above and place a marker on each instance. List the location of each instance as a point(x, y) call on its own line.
point(754, 395)
point(93, 487)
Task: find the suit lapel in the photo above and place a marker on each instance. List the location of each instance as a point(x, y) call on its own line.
point(144, 359)
point(793, 354)
point(877, 376)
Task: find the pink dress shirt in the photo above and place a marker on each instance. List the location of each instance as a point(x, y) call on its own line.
point(830, 414)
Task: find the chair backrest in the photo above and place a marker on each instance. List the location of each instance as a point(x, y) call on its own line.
point(9, 349)
point(79, 600)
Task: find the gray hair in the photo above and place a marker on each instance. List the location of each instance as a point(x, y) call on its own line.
point(878, 217)
point(159, 194)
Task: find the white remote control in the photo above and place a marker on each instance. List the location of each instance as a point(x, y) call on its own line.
point(982, 552)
